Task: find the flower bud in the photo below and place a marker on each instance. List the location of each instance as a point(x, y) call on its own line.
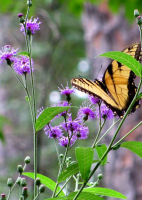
point(85, 118)
point(136, 13)
point(21, 198)
point(41, 188)
point(25, 192)
point(116, 147)
point(100, 176)
point(3, 197)
point(23, 182)
point(139, 20)
point(20, 15)
point(9, 182)
point(20, 169)
point(61, 156)
point(18, 181)
point(27, 160)
point(96, 184)
point(29, 3)
point(38, 181)
point(68, 97)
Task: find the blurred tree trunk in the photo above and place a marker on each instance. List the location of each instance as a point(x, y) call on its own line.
point(106, 32)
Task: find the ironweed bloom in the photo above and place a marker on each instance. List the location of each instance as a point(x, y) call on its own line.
point(8, 53)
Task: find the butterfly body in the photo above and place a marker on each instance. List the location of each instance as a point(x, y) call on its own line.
point(117, 88)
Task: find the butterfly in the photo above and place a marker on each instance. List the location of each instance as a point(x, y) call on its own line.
point(117, 88)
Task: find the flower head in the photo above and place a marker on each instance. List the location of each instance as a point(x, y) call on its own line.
point(82, 132)
point(7, 53)
point(61, 104)
point(93, 99)
point(53, 132)
point(86, 113)
point(106, 113)
point(66, 91)
point(22, 65)
point(39, 112)
point(63, 141)
point(31, 25)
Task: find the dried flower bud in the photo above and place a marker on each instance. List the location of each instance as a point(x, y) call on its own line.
point(20, 169)
point(18, 182)
point(139, 20)
point(41, 188)
point(38, 181)
point(25, 192)
point(3, 197)
point(9, 182)
point(100, 176)
point(23, 182)
point(136, 13)
point(27, 160)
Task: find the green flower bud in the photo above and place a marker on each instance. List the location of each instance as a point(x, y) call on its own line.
point(96, 184)
point(41, 188)
point(68, 97)
point(136, 13)
point(21, 198)
point(38, 181)
point(139, 20)
point(9, 182)
point(23, 182)
point(25, 192)
point(61, 155)
point(100, 176)
point(20, 169)
point(27, 160)
point(18, 182)
point(3, 197)
point(29, 3)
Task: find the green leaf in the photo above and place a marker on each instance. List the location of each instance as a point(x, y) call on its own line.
point(84, 156)
point(47, 115)
point(45, 180)
point(100, 151)
point(139, 96)
point(23, 53)
point(82, 196)
point(2, 137)
point(96, 161)
point(69, 171)
point(105, 192)
point(134, 146)
point(125, 59)
point(27, 99)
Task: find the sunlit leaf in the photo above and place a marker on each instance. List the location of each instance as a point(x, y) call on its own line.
point(23, 53)
point(100, 151)
point(134, 146)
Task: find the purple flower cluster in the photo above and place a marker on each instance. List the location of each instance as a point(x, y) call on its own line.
point(32, 25)
point(8, 53)
point(86, 112)
point(106, 113)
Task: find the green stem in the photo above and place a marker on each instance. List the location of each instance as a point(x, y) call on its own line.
point(63, 186)
point(127, 134)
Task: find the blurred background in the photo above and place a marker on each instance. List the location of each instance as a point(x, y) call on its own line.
point(72, 33)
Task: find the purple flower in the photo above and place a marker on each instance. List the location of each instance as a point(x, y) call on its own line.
point(53, 132)
point(22, 65)
point(31, 25)
point(64, 141)
point(66, 91)
point(61, 104)
point(7, 53)
point(20, 15)
point(105, 112)
point(86, 113)
point(93, 99)
point(39, 112)
point(82, 132)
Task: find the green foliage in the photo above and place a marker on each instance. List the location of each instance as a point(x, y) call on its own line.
point(45, 180)
point(100, 151)
point(84, 156)
point(139, 96)
point(69, 171)
point(134, 146)
point(23, 53)
point(105, 192)
point(125, 59)
point(3, 120)
point(47, 115)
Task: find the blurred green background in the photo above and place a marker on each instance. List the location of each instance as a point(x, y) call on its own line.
point(72, 33)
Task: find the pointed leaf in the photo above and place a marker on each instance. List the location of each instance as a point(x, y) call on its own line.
point(134, 146)
point(105, 192)
point(100, 151)
point(48, 114)
point(125, 59)
point(82, 196)
point(23, 53)
point(84, 156)
point(45, 180)
point(69, 171)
